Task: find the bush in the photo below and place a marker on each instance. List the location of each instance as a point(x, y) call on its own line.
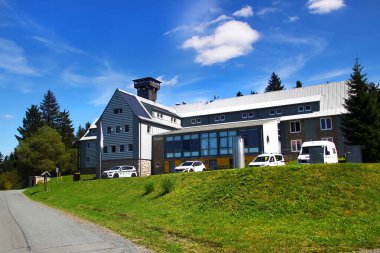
point(168, 185)
point(149, 187)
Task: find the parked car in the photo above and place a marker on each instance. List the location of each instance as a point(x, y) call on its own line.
point(323, 151)
point(267, 160)
point(120, 171)
point(190, 166)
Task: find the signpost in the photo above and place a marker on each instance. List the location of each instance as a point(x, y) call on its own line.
point(45, 175)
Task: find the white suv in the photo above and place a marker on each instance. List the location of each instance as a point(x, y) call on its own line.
point(267, 160)
point(120, 171)
point(190, 166)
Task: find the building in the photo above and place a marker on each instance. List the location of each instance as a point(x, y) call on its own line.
point(88, 158)
point(155, 138)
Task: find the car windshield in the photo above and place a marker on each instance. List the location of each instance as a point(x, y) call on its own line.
point(306, 150)
point(261, 159)
point(187, 164)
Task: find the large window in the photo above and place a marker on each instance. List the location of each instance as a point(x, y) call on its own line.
point(295, 126)
point(126, 128)
point(225, 142)
point(326, 124)
point(173, 146)
point(295, 145)
point(251, 140)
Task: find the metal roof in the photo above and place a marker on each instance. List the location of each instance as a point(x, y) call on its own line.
point(213, 127)
point(330, 95)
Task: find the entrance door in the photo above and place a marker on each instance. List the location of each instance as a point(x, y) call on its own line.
point(213, 164)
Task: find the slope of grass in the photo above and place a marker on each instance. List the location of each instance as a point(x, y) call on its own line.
point(313, 208)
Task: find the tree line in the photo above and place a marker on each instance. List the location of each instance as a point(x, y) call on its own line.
point(46, 140)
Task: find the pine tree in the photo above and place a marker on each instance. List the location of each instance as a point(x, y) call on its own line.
point(239, 94)
point(253, 92)
point(30, 123)
point(361, 123)
point(298, 84)
point(66, 129)
point(274, 83)
point(50, 110)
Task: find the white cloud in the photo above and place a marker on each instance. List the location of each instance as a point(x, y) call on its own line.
point(331, 74)
point(293, 19)
point(200, 28)
point(170, 82)
point(229, 40)
point(324, 6)
point(245, 12)
point(264, 11)
point(57, 45)
point(8, 116)
point(12, 59)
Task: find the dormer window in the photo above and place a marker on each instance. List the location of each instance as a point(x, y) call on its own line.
point(278, 111)
point(307, 108)
point(301, 108)
point(272, 112)
point(244, 115)
point(222, 118)
point(250, 115)
point(193, 121)
point(216, 118)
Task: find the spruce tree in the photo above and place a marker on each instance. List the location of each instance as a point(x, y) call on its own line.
point(298, 84)
point(50, 110)
point(239, 94)
point(361, 123)
point(274, 83)
point(30, 123)
point(66, 129)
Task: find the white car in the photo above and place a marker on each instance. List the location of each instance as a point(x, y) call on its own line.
point(190, 166)
point(120, 171)
point(267, 160)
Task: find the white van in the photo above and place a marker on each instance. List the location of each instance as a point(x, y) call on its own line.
point(318, 152)
point(267, 160)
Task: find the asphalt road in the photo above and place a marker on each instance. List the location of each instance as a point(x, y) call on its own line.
point(27, 226)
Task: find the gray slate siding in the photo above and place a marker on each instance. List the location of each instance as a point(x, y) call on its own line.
point(110, 119)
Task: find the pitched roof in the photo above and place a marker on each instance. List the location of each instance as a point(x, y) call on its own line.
point(330, 95)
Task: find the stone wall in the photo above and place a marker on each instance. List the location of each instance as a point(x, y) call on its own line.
point(143, 167)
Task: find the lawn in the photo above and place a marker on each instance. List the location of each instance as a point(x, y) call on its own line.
point(310, 208)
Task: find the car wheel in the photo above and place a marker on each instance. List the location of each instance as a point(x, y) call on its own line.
point(116, 176)
point(191, 170)
point(133, 175)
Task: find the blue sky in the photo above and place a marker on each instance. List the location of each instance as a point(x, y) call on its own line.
point(83, 50)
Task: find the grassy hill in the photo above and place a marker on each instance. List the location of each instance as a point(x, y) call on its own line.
point(312, 208)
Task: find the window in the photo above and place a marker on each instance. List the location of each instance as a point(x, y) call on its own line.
point(130, 147)
point(113, 149)
point(295, 126)
point(117, 110)
point(326, 124)
point(301, 108)
point(272, 112)
point(87, 159)
point(121, 148)
point(244, 115)
point(250, 115)
point(295, 145)
point(118, 128)
point(222, 118)
point(278, 111)
point(126, 128)
point(199, 121)
point(328, 139)
point(109, 130)
point(216, 118)
point(307, 108)
point(88, 145)
point(148, 129)
point(193, 121)
point(105, 150)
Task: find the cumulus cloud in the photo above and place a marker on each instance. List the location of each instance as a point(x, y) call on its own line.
point(245, 12)
point(324, 6)
point(229, 40)
point(12, 59)
point(169, 82)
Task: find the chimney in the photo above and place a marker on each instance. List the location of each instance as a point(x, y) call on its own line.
point(147, 88)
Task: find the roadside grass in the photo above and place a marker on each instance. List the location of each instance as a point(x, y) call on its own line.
point(293, 208)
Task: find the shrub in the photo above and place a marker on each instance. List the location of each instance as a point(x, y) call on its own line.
point(149, 187)
point(168, 185)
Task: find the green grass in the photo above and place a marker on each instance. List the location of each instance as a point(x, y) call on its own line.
point(311, 208)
